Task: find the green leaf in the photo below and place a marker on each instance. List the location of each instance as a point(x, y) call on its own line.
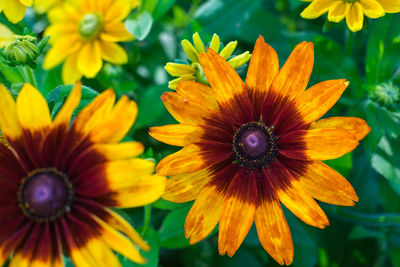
point(167, 205)
point(376, 220)
point(361, 232)
point(386, 161)
point(57, 97)
point(139, 25)
point(162, 7)
point(172, 232)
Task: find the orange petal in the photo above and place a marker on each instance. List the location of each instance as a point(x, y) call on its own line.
point(186, 186)
point(327, 185)
point(273, 231)
point(264, 65)
point(356, 126)
point(292, 79)
point(198, 92)
point(188, 159)
point(299, 202)
point(224, 80)
point(317, 144)
point(185, 110)
point(204, 215)
point(237, 214)
point(316, 101)
point(177, 134)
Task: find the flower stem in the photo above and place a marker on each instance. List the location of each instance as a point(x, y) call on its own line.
point(146, 220)
point(30, 76)
point(10, 74)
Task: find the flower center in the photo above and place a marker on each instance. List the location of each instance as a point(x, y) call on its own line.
point(254, 145)
point(90, 26)
point(45, 195)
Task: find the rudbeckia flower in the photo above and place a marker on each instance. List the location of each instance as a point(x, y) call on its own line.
point(57, 181)
point(352, 10)
point(194, 71)
point(84, 33)
point(15, 9)
point(248, 147)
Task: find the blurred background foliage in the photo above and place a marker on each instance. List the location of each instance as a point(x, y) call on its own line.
point(365, 235)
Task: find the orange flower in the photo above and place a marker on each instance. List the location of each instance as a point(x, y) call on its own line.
point(249, 147)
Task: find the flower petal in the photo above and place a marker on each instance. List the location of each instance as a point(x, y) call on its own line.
point(178, 134)
point(14, 10)
point(177, 69)
point(390, 6)
point(317, 100)
point(64, 115)
point(317, 144)
point(116, 32)
point(327, 185)
point(293, 77)
point(273, 231)
point(89, 59)
point(317, 8)
point(65, 46)
point(113, 53)
point(224, 80)
point(70, 72)
point(372, 9)
point(186, 186)
point(355, 17)
point(118, 11)
point(9, 124)
point(204, 214)
point(199, 93)
point(337, 12)
point(237, 213)
point(356, 126)
point(33, 112)
point(120, 151)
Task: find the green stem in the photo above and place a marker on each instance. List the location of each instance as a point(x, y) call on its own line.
point(384, 219)
point(30, 76)
point(147, 217)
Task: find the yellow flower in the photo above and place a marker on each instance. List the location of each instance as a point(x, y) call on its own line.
point(250, 146)
point(41, 6)
point(84, 33)
point(58, 181)
point(194, 72)
point(6, 35)
point(352, 10)
point(14, 9)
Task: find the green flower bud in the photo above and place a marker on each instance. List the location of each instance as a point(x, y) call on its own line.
point(23, 50)
point(386, 93)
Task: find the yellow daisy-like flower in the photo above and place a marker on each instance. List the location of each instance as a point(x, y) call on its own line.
point(15, 9)
point(352, 10)
point(84, 33)
point(194, 72)
point(248, 147)
point(57, 181)
point(6, 35)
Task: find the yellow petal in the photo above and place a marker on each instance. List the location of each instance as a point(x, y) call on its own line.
point(70, 72)
point(390, 6)
point(176, 69)
point(199, 93)
point(204, 214)
point(113, 53)
point(190, 51)
point(173, 84)
point(327, 185)
point(14, 10)
point(239, 60)
point(337, 12)
point(198, 43)
point(356, 126)
point(89, 59)
point(146, 191)
point(120, 150)
point(186, 186)
point(355, 16)
point(18, 260)
point(6, 35)
point(188, 159)
point(64, 115)
point(215, 43)
point(116, 32)
point(317, 8)
point(33, 112)
point(227, 51)
point(118, 242)
point(178, 134)
point(65, 46)
point(273, 231)
point(316, 101)
point(9, 124)
point(118, 11)
point(299, 202)
point(372, 9)
point(120, 224)
point(293, 77)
